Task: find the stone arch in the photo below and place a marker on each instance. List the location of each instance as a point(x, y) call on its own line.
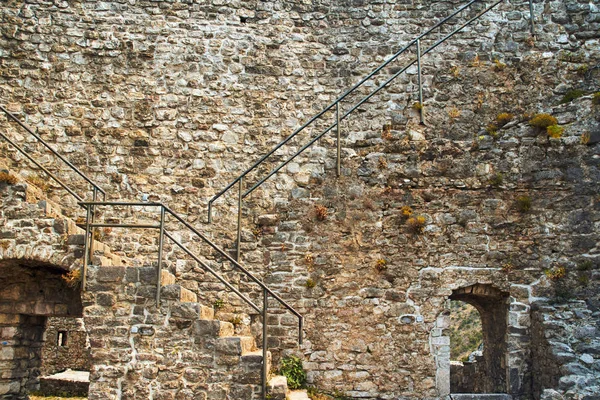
point(492, 305)
point(32, 291)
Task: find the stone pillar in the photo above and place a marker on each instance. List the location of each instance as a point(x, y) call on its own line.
point(440, 347)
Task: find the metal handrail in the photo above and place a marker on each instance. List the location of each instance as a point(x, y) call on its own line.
point(334, 103)
point(335, 106)
point(164, 210)
point(96, 189)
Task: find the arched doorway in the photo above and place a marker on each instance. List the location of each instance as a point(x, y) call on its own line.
point(489, 374)
point(30, 293)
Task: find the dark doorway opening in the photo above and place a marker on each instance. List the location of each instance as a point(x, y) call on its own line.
point(484, 369)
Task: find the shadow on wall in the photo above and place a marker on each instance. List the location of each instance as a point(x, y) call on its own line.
point(30, 293)
point(487, 372)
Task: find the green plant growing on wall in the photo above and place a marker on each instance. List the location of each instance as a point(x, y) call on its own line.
point(583, 280)
point(218, 304)
point(41, 183)
point(499, 65)
point(555, 131)
point(236, 320)
point(523, 203)
point(416, 224)
point(380, 265)
point(572, 95)
point(582, 69)
point(72, 278)
point(406, 211)
point(556, 273)
point(497, 179)
point(7, 178)
point(596, 99)
point(321, 212)
point(585, 138)
point(585, 265)
point(417, 106)
point(310, 283)
point(291, 368)
point(504, 118)
point(543, 121)
point(492, 130)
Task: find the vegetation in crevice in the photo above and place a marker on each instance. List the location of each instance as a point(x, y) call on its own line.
point(291, 367)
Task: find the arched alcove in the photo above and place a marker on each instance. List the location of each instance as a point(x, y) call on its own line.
point(30, 293)
point(490, 374)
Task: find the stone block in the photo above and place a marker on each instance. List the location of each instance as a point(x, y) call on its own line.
point(110, 274)
point(234, 345)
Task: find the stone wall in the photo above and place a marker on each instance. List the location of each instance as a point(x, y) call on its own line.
point(169, 100)
point(467, 376)
point(137, 350)
point(174, 352)
point(60, 353)
point(567, 351)
point(34, 256)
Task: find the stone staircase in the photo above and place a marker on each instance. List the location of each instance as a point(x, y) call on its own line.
point(234, 360)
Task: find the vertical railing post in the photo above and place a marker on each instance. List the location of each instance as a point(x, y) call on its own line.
point(161, 237)
point(531, 19)
point(420, 79)
point(86, 248)
point(239, 221)
point(209, 212)
point(339, 140)
point(264, 344)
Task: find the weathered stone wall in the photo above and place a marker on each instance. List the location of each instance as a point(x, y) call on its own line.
point(171, 100)
point(20, 360)
point(34, 255)
point(467, 376)
point(74, 354)
point(174, 352)
point(470, 224)
point(567, 350)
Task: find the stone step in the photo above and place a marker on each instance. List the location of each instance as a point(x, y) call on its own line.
point(100, 249)
point(213, 328)
point(166, 278)
point(181, 294)
point(250, 367)
point(480, 396)
point(277, 387)
point(191, 310)
point(235, 345)
point(297, 395)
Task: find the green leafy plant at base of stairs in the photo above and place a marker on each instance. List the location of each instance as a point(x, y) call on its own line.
point(291, 368)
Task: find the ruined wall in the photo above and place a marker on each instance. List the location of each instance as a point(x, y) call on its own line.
point(566, 351)
point(59, 354)
point(20, 361)
point(34, 255)
point(171, 99)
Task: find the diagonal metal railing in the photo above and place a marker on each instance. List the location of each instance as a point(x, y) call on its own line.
point(96, 190)
point(92, 208)
point(164, 212)
point(341, 115)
